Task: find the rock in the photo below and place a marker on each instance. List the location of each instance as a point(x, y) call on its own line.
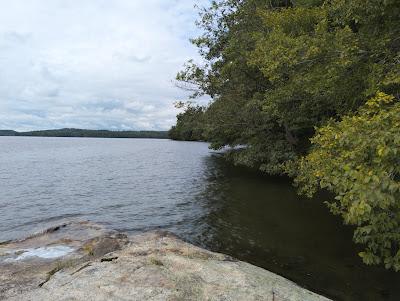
point(160, 266)
point(20, 273)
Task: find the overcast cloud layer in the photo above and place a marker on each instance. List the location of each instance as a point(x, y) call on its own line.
point(95, 64)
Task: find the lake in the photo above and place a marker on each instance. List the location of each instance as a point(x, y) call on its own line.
point(135, 185)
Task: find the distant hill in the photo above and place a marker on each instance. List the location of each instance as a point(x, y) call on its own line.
point(8, 133)
point(88, 133)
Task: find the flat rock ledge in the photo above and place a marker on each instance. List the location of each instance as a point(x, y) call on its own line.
point(157, 266)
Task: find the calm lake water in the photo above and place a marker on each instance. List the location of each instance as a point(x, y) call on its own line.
point(136, 185)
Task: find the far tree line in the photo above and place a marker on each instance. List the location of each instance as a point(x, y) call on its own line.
point(71, 132)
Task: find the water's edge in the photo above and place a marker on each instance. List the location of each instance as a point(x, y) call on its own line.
point(55, 263)
point(139, 185)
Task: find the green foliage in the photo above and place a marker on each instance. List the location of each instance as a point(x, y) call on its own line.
point(358, 158)
point(276, 70)
point(189, 125)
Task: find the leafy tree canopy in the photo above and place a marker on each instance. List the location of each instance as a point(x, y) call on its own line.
point(358, 158)
point(278, 70)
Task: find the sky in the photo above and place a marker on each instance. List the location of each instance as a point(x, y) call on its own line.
point(93, 64)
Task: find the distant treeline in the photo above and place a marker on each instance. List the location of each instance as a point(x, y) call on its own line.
point(88, 133)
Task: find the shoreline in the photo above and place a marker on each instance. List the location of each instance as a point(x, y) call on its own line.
point(150, 266)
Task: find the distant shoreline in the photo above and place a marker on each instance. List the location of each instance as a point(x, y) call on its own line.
point(83, 133)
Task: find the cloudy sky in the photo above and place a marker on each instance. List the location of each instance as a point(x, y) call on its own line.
point(96, 64)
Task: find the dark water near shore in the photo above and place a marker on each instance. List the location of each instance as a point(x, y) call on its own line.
point(136, 185)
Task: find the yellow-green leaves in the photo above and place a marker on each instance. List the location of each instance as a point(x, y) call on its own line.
point(358, 159)
point(378, 101)
point(281, 72)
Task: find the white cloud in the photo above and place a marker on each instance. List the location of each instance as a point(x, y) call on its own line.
point(92, 63)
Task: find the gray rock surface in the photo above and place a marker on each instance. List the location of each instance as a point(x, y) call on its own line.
point(159, 266)
point(20, 273)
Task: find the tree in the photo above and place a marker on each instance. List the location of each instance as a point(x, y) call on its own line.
point(358, 159)
point(189, 125)
point(278, 70)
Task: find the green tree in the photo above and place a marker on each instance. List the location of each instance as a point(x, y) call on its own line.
point(235, 117)
point(277, 70)
point(189, 125)
point(358, 159)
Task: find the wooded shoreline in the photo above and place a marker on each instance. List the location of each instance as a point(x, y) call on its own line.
point(70, 132)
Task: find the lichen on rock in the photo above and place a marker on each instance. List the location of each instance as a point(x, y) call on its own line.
point(157, 266)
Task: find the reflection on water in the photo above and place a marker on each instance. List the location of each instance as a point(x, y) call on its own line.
point(136, 185)
point(262, 220)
